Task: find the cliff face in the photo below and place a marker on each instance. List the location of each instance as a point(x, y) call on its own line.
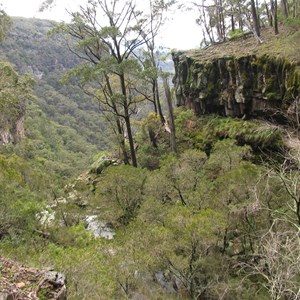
point(14, 90)
point(247, 85)
point(12, 125)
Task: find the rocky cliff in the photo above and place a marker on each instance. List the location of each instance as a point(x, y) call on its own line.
point(12, 129)
point(14, 92)
point(228, 80)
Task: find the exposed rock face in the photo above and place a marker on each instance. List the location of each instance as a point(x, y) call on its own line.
point(12, 130)
point(98, 228)
point(236, 86)
point(102, 163)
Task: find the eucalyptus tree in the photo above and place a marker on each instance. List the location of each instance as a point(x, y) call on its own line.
point(219, 18)
point(274, 14)
point(107, 34)
point(255, 18)
point(156, 17)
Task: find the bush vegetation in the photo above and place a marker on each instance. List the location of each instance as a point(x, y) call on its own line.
point(192, 227)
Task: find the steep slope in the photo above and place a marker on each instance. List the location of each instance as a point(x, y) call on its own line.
point(64, 126)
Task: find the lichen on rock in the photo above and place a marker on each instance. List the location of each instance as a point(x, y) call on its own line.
point(237, 86)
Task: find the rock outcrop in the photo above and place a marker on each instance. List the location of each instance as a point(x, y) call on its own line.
point(12, 129)
point(248, 85)
point(14, 90)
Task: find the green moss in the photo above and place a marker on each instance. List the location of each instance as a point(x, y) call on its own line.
point(230, 80)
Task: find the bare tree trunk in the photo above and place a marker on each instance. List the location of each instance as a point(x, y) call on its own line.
point(241, 24)
point(255, 18)
point(285, 9)
point(232, 19)
point(154, 95)
point(120, 130)
point(122, 142)
point(258, 14)
point(275, 18)
point(211, 38)
point(269, 14)
point(171, 116)
point(127, 121)
point(296, 4)
point(223, 22)
point(162, 119)
point(274, 14)
point(217, 15)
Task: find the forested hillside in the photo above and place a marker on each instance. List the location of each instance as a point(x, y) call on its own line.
point(63, 125)
point(199, 201)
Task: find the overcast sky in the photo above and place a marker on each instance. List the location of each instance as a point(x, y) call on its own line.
point(181, 32)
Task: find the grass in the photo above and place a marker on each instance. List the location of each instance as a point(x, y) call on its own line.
point(285, 44)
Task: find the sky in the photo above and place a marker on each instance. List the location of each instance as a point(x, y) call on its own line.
point(180, 32)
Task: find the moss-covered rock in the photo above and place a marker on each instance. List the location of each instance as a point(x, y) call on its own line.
point(247, 85)
point(102, 163)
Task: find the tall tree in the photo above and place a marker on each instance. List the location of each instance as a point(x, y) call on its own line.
point(296, 8)
point(204, 21)
point(269, 14)
point(156, 20)
point(107, 33)
point(171, 115)
point(285, 8)
point(255, 18)
point(274, 14)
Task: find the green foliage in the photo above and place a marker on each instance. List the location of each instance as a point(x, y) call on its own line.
point(236, 34)
point(225, 156)
point(207, 130)
point(120, 193)
point(188, 223)
point(66, 105)
point(14, 90)
point(5, 25)
point(72, 236)
point(293, 22)
point(185, 225)
point(153, 142)
point(19, 201)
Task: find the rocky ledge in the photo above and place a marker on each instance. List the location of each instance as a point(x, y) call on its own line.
point(240, 78)
point(19, 282)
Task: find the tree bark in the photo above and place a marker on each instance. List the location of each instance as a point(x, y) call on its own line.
point(285, 10)
point(296, 3)
point(118, 124)
point(275, 18)
point(171, 116)
point(232, 23)
point(158, 104)
point(241, 23)
point(270, 17)
point(154, 96)
point(127, 121)
point(255, 18)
